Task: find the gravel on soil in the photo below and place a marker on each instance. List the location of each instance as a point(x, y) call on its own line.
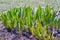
point(4, 35)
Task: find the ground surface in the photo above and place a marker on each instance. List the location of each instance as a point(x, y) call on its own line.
point(4, 35)
point(6, 4)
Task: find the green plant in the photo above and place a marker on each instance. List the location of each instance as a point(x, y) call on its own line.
point(37, 22)
point(4, 19)
point(21, 25)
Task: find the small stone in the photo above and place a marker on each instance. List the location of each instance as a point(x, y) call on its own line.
point(31, 36)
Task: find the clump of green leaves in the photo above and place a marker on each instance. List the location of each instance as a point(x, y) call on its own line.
point(37, 22)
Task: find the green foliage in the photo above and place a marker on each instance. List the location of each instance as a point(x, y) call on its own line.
point(18, 17)
point(4, 19)
point(21, 25)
